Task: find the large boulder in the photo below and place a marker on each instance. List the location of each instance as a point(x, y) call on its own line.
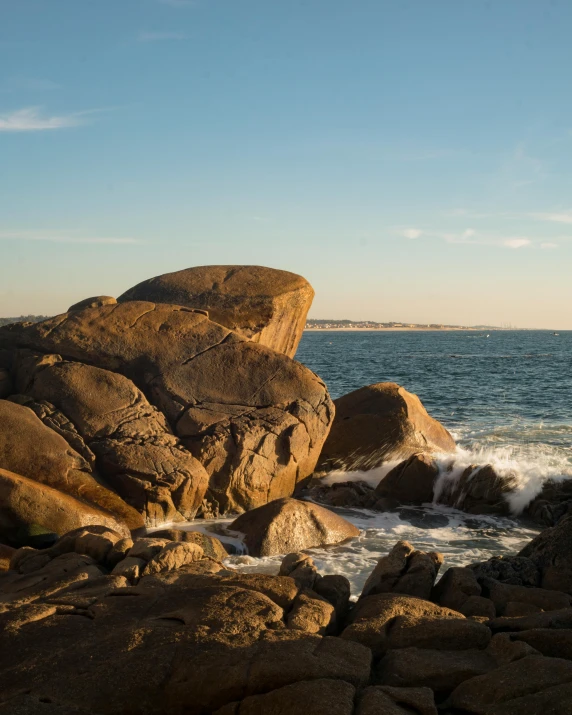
point(25, 502)
point(254, 418)
point(476, 490)
point(265, 305)
point(134, 447)
point(551, 553)
point(289, 525)
point(30, 449)
point(411, 481)
point(379, 423)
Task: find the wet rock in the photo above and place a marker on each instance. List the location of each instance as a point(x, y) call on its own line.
point(551, 553)
point(266, 305)
point(529, 685)
point(378, 423)
point(336, 590)
point(411, 482)
point(404, 570)
point(385, 700)
point(552, 504)
point(515, 570)
point(344, 494)
point(440, 670)
point(479, 490)
point(286, 525)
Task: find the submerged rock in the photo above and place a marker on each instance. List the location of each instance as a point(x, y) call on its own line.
point(379, 423)
point(286, 525)
point(266, 305)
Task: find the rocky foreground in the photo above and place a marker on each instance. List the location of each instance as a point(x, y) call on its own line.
point(181, 399)
point(101, 624)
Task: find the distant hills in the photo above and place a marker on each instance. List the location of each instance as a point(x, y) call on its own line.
point(319, 324)
point(23, 319)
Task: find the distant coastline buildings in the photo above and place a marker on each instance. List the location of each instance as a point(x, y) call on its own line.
point(316, 324)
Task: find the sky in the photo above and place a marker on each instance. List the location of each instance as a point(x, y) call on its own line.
point(411, 158)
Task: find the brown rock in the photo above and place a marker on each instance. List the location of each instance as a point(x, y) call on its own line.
point(25, 501)
point(385, 700)
point(440, 670)
point(6, 553)
point(509, 688)
point(478, 606)
point(455, 587)
point(375, 617)
point(515, 570)
point(411, 482)
point(286, 525)
point(378, 423)
point(6, 387)
point(502, 594)
point(336, 590)
point(311, 613)
point(404, 570)
point(212, 546)
point(555, 643)
point(301, 568)
point(131, 567)
point(255, 419)
point(551, 553)
point(265, 305)
point(318, 697)
point(147, 547)
point(95, 302)
point(438, 634)
point(172, 556)
point(544, 619)
point(30, 449)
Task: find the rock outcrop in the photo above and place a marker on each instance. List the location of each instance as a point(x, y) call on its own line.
point(551, 553)
point(288, 525)
point(30, 449)
point(266, 305)
point(255, 419)
point(378, 423)
point(411, 481)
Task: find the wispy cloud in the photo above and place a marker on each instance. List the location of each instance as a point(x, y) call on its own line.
point(31, 119)
point(517, 242)
point(556, 217)
point(160, 36)
point(411, 233)
point(62, 237)
point(549, 245)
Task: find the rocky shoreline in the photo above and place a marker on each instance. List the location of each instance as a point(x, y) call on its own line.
point(181, 399)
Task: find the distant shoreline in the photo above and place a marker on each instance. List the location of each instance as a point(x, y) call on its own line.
point(396, 330)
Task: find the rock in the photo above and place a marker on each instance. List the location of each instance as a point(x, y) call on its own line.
point(374, 618)
point(439, 634)
point(30, 449)
point(440, 670)
point(502, 594)
point(385, 700)
point(478, 607)
point(265, 305)
point(345, 494)
point(311, 613)
point(515, 570)
point(6, 553)
point(301, 568)
point(504, 649)
point(118, 552)
point(455, 587)
point(516, 687)
point(551, 553)
point(378, 423)
point(552, 504)
point(26, 502)
point(177, 642)
point(172, 556)
point(254, 418)
point(131, 567)
point(6, 387)
point(404, 570)
point(212, 546)
point(336, 590)
point(135, 450)
point(411, 482)
point(95, 302)
point(286, 525)
point(147, 548)
point(545, 619)
point(479, 490)
point(318, 697)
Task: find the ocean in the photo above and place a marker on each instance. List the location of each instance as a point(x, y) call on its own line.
point(506, 396)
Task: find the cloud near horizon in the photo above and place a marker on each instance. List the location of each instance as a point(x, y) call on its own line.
point(30, 119)
point(470, 236)
point(63, 237)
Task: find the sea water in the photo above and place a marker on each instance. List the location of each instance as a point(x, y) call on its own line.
point(506, 396)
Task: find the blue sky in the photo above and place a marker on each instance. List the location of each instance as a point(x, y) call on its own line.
point(411, 158)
